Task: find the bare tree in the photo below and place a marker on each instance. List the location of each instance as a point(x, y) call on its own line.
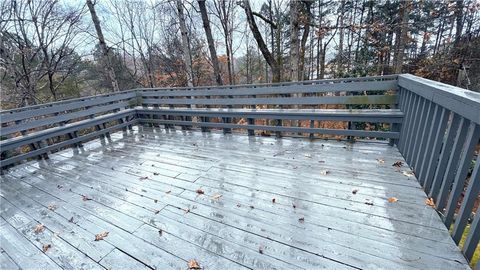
point(187, 59)
point(271, 61)
point(210, 41)
point(103, 46)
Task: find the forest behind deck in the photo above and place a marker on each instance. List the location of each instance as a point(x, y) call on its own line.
point(227, 201)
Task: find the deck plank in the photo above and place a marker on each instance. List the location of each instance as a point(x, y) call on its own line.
point(148, 181)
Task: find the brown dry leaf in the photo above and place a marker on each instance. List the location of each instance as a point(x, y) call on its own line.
point(397, 164)
point(392, 200)
point(324, 172)
point(301, 220)
point(52, 207)
point(101, 235)
point(273, 200)
point(193, 264)
point(39, 228)
point(430, 202)
point(380, 160)
point(200, 192)
point(216, 196)
point(354, 191)
point(86, 198)
point(46, 247)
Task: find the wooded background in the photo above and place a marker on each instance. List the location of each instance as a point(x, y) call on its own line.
point(52, 50)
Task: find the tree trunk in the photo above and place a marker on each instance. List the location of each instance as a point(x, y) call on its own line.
point(103, 46)
point(341, 38)
point(211, 45)
point(261, 43)
point(187, 59)
point(294, 46)
point(303, 42)
point(403, 35)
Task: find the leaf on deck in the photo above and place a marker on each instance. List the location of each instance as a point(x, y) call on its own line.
point(46, 247)
point(397, 164)
point(324, 172)
point(408, 174)
point(193, 264)
point(354, 191)
point(369, 203)
point(200, 192)
point(260, 249)
point(168, 191)
point(273, 200)
point(380, 160)
point(143, 178)
point(430, 202)
point(101, 236)
point(294, 206)
point(86, 198)
point(301, 220)
point(52, 207)
point(392, 200)
point(39, 228)
point(216, 196)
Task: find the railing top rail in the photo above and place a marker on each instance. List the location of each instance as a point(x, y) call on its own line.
point(310, 82)
point(461, 101)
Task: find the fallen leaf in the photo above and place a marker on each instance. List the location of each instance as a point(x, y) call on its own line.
point(324, 172)
point(101, 235)
point(301, 220)
point(321, 161)
point(143, 178)
point(294, 206)
point(46, 247)
point(59, 186)
point(155, 173)
point(273, 200)
point(39, 228)
point(308, 155)
point(252, 207)
point(355, 191)
point(168, 192)
point(86, 198)
point(392, 200)
point(430, 202)
point(369, 203)
point(70, 220)
point(187, 210)
point(52, 207)
point(238, 205)
point(216, 196)
point(397, 164)
point(156, 212)
point(155, 201)
point(260, 249)
point(193, 264)
point(200, 192)
point(380, 160)
point(408, 174)
point(160, 232)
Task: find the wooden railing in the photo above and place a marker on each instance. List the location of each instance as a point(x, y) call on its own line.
point(435, 126)
point(438, 138)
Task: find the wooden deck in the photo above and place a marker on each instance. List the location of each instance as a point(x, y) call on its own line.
point(267, 204)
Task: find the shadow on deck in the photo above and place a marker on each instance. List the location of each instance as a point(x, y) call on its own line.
point(227, 201)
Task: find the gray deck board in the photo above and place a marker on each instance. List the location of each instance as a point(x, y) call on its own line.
point(147, 182)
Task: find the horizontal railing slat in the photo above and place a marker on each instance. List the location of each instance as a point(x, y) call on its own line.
point(345, 132)
point(352, 100)
point(378, 116)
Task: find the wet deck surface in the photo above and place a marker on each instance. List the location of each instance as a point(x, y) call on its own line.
point(267, 204)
